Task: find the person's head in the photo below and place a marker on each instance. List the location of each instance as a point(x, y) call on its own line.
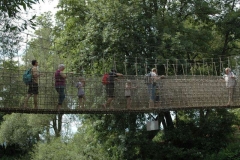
point(154, 70)
point(114, 70)
point(61, 67)
point(227, 70)
point(128, 82)
point(81, 79)
point(34, 62)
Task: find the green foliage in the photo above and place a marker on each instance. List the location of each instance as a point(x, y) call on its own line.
point(15, 131)
point(93, 37)
point(7, 88)
point(231, 152)
point(12, 7)
point(83, 146)
point(205, 137)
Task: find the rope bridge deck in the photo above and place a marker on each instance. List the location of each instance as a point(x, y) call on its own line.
point(174, 92)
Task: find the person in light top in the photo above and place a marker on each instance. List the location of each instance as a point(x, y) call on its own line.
point(152, 86)
point(128, 93)
point(81, 94)
point(230, 80)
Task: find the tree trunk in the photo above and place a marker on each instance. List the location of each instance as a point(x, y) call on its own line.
point(168, 118)
point(57, 125)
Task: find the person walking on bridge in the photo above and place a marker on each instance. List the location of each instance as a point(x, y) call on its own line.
point(33, 86)
point(230, 80)
point(81, 94)
point(110, 87)
point(60, 84)
point(152, 85)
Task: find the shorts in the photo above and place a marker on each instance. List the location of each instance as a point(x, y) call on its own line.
point(33, 88)
point(128, 96)
point(110, 90)
point(81, 96)
point(157, 99)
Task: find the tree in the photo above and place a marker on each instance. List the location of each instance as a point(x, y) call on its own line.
point(108, 33)
point(13, 7)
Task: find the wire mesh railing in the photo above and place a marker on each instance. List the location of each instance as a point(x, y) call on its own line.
point(171, 92)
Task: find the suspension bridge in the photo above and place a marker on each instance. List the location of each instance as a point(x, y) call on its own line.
point(188, 84)
point(174, 92)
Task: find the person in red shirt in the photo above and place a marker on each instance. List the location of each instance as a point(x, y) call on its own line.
point(60, 84)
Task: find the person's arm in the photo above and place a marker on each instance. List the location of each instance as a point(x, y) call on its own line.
point(162, 77)
point(224, 78)
point(119, 74)
point(63, 75)
point(78, 85)
point(233, 75)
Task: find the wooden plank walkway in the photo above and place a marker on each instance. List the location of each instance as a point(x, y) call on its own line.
point(104, 111)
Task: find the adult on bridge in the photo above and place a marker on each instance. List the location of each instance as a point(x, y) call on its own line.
point(110, 87)
point(230, 80)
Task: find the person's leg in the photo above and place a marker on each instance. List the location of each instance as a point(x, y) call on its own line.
point(80, 102)
point(26, 100)
point(110, 94)
point(152, 98)
point(230, 96)
point(107, 92)
point(129, 101)
point(58, 90)
point(83, 101)
point(35, 101)
point(109, 101)
point(149, 90)
point(35, 92)
point(153, 95)
point(30, 92)
point(61, 96)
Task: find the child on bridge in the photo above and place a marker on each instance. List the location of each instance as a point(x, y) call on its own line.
point(128, 89)
point(81, 94)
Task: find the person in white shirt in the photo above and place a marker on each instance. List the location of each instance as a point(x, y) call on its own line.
point(152, 86)
point(230, 80)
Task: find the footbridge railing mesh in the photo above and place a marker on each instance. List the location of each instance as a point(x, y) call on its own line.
point(174, 92)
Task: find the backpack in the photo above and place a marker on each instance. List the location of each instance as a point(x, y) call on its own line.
point(147, 78)
point(105, 79)
point(27, 76)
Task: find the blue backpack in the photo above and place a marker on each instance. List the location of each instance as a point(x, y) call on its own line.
point(27, 76)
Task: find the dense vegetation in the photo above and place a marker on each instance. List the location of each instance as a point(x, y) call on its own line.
point(91, 35)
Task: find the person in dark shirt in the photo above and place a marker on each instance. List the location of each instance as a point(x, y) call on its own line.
point(110, 87)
